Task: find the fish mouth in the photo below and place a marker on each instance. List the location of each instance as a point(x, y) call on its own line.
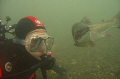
point(81, 35)
point(82, 38)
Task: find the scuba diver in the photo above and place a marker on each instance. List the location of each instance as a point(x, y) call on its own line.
point(22, 55)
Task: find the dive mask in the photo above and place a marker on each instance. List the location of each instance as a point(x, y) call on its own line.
point(36, 41)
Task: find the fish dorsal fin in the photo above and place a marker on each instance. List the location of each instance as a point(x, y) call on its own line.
point(117, 16)
point(86, 20)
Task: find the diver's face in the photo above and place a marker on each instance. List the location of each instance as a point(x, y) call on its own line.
point(40, 50)
point(37, 54)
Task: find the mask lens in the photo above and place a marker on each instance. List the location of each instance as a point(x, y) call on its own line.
point(41, 47)
point(49, 42)
point(35, 43)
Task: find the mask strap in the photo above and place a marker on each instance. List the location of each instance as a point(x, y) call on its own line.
point(18, 41)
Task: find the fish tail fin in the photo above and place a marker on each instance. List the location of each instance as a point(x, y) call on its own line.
point(117, 16)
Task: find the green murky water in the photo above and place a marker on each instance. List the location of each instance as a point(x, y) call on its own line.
point(58, 16)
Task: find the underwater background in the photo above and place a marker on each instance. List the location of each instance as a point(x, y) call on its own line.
point(58, 16)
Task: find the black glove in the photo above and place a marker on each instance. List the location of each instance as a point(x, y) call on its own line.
point(59, 69)
point(47, 61)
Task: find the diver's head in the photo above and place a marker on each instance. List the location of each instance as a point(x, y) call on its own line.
point(31, 33)
point(26, 25)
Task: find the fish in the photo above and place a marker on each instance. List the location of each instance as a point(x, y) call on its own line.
point(85, 33)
